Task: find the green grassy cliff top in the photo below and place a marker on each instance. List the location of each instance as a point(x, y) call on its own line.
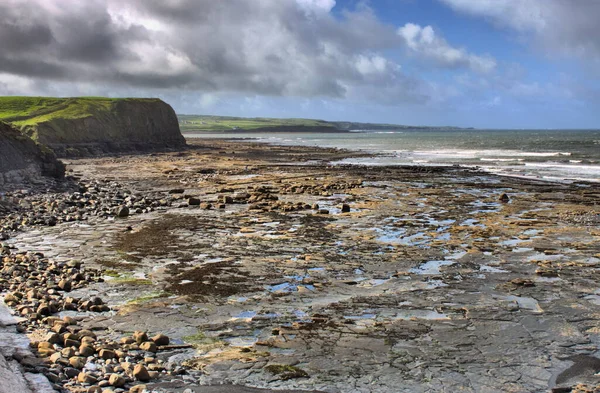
point(28, 111)
point(192, 123)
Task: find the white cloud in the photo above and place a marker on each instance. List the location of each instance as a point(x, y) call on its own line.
point(319, 5)
point(425, 43)
point(373, 65)
point(567, 27)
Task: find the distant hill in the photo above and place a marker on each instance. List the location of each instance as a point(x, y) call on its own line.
point(91, 125)
point(202, 123)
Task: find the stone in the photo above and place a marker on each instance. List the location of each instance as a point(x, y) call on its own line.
point(71, 343)
point(54, 358)
point(53, 338)
point(137, 389)
point(122, 212)
point(45, 345)
point(65, 285)
point(88, 340)
point(127, 367)
point(140, 336)
point(161, 339)
point(71, 336)
point(193, 201)
point(345, 208)
point(77, 362)
point(86, 350)
point(67, 352)
point(43, 352)
point(116, 380)
point(43, 309)
point(127, 340)
point(140, 373)
point(148, 346)
point(69, 320)
point(504, 198)
point(106, 354)
point(71, 372)
point(83, 377)
point(86, 333)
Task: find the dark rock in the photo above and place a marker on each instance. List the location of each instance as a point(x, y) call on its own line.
point(193, 201)
point(122, 212)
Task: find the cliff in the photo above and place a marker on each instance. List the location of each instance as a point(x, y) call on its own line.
point(90, 125)
point(21, 159)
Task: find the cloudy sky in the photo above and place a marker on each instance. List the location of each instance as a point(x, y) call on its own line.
point(481, 63)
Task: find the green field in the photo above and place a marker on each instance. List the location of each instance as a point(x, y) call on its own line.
point(209, 124)
point(190, 123)
point(29, 111)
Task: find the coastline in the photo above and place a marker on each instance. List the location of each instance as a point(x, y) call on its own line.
point(326, 297)
point(533, 165)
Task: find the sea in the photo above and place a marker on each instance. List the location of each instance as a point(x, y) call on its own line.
point(565, 156)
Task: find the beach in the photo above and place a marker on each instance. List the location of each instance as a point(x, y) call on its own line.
point(296, 267)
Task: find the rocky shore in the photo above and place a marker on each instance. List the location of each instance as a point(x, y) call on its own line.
point(236, 267)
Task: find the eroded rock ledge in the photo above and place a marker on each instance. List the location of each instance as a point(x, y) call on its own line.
point(127, 125)
point(21, 159)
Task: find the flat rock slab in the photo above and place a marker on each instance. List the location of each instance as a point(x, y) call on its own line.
point(12, 377)
point(241, 389)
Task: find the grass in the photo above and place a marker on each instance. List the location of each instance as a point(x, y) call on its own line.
point(26, 112)
point(188, 123)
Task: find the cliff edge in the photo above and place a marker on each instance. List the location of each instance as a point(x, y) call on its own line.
point(21, 159)
point(94, 125)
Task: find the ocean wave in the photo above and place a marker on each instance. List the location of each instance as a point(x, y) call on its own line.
point(470, 153)
point(502, 159)
point(570, 167)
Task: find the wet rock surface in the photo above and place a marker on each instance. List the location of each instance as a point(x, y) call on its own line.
point(416, 279)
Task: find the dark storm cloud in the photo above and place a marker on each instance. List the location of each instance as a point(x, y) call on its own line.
point(265, 47)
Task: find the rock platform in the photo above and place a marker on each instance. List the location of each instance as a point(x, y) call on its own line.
point(270, 268)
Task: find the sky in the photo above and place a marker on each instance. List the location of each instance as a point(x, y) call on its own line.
point(468, 63)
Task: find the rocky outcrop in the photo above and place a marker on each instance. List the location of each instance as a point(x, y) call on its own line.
point(21, 159)
point(121, 125)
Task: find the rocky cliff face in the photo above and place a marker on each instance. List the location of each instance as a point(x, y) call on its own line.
point(21, 159)
point(123, 126)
